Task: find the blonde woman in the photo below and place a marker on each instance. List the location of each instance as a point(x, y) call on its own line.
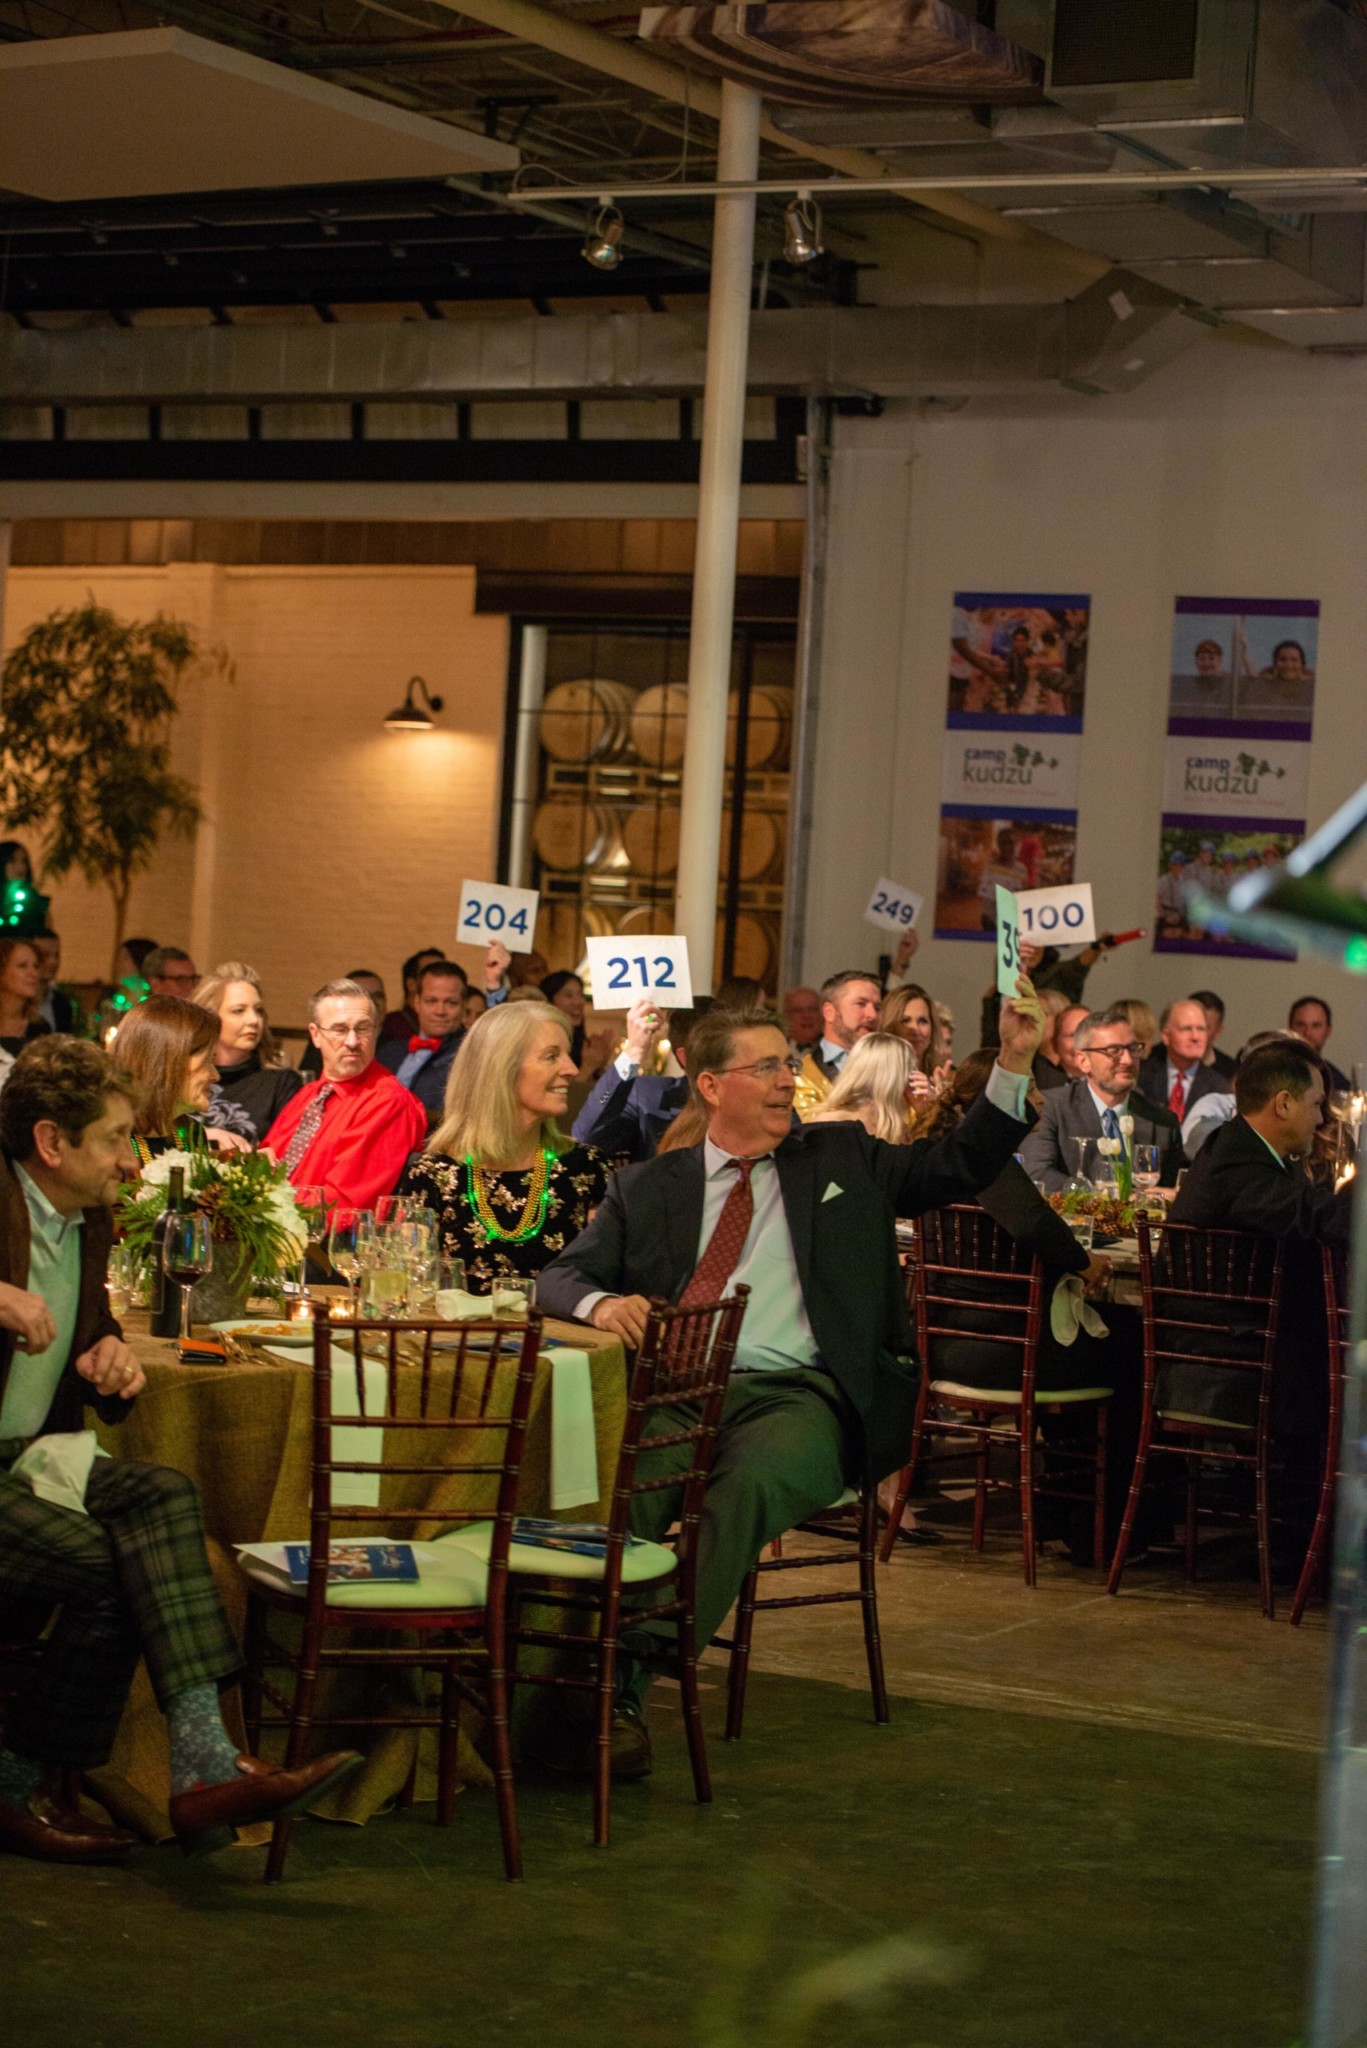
point(250, 1072)
point(1143, 1023)
point(510, 1190)
point(877, 1086)
point(909, 1013)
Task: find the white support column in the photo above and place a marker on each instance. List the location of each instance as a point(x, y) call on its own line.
point(531, 688)
point(714, 561)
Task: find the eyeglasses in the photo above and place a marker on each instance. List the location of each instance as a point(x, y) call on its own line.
point(189, 979)
point(765, 1070)
point(338, 1034)
point(1113, 1052)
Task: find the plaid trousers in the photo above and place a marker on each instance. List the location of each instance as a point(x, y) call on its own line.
point(132, 1579)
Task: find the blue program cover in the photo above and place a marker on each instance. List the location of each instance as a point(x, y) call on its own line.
point(352, 1561)
point(583, 1539)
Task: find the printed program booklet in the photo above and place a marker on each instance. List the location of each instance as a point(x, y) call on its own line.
point(584, 1539)
point(393, 1561)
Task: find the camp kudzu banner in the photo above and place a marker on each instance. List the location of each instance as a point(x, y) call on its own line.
point(1236, 769)
point(1013, 748)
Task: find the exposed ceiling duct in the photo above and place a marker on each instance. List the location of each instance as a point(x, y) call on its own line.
point(1108, 339)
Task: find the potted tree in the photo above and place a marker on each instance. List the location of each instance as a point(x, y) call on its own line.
point(86, 704)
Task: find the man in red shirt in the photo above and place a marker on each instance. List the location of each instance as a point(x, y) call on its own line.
point(351, 1130)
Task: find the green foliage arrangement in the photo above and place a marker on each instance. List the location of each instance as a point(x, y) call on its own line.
point(247, 1197)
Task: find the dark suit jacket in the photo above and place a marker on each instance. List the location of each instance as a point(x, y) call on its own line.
point(429, 1083)
point(1049, 1155)
point(644, 1240)
point(93, 1317)
point(1234, 1183)
point(629, 1116)
point(1152, 1080)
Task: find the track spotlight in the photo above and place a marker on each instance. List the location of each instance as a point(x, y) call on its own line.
point(802, 230)
point(603, 242)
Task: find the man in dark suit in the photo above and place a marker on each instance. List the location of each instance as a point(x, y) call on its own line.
point(117, 1547)
point(55, 1006)
point(1312, 1019)
point(1249, 1176)
point(422, 1061)
point(1177, 1076)
point(1214, 1007)
point(628, 1111)
point(822, 1392)
point(1107, 1053)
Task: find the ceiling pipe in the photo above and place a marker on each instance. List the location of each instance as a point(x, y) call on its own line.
point(528, 23)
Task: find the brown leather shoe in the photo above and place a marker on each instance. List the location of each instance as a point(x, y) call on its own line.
point(43, 1826)
point(204, 1819)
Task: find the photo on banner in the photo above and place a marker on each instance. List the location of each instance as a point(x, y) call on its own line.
point(1013, 752)
point(1236, 767)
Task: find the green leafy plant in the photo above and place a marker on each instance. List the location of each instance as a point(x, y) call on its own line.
point(86, 704)
point(247, 1197)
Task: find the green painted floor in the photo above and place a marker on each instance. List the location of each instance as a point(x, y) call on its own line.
point(961, 1878)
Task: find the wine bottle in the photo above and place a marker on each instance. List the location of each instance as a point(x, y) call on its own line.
point(165, 1297)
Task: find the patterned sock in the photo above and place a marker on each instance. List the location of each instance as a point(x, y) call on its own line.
point(19, 1775)
point(201, 1752)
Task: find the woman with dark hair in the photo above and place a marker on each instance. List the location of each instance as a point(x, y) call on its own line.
point(167, 1045)
point(15, 865)
point(590, 1054)
point(21, 991)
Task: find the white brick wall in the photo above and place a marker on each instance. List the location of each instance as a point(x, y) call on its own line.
point(329, 843)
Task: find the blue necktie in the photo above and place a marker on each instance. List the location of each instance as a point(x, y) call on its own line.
point(1110, 1124)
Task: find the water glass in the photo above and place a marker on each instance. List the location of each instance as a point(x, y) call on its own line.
point(525, 1289)
point(450, 1283)
point(1147, 1166)
point(120, 1275)
point(1083, 1229)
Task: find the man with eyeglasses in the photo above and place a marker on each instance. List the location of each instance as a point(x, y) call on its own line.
point(823, 1386)
point(170, 972)
point(352, 1129)
point(1107, 1054)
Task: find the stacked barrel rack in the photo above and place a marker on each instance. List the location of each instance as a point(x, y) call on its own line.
point(606, 831)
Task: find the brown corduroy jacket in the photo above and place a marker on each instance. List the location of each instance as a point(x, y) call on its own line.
point(93, 1316)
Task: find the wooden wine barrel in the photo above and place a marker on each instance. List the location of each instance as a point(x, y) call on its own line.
point(761, 844)
point(769, 730)
point(588, 719)
point(651, 839)
point(658, 723)
point(756, 948)
point(646, 917)
point(562, 925)
point(568, 834)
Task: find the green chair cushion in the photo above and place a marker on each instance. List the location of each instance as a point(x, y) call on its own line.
point(1216, 1424)
point(642, 1562)
point(1010, 1397)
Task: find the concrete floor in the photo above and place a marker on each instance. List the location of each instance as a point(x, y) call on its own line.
point(1162, 1655)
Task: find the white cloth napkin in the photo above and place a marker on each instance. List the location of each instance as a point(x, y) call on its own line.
point(353, 1489)
point(1070, 1311)
point(574, 1443)
point(454, 1305)
point(58, 1468)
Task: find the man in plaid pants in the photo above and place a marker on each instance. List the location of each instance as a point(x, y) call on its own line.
point(121, 1555)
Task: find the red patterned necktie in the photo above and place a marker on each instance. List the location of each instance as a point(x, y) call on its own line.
point(727, 1241)
point(306, 1130)
point(1177, 1101)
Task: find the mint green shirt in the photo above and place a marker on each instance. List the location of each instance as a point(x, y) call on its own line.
point(54, 1274)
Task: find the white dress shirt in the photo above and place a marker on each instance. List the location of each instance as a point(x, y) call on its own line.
point(54, 1274)
point(1186, 1076)
point(833, 1055)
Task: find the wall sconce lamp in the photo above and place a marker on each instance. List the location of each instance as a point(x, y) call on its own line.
point(410, 716)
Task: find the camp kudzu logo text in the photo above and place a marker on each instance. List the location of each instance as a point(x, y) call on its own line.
point(1001, 765)
point(1227, 775)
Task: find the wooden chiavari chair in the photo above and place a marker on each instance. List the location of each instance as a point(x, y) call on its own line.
point(684, 1362)
point(1211, 1300)
point(1315, 1569)
point(970, 1282)
point(455, 1419)
point(856, 1512)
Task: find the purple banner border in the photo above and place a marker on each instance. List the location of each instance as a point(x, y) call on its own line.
point(1252, 607)
point(1237, 729)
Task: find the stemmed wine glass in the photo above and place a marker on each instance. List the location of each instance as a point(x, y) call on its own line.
point(312, 1206)
point(352, 1233)
point(1081, 1145)
point(187, 1254)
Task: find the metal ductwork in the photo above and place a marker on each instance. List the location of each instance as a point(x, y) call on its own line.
point(1167, 83)
point(1108, 339)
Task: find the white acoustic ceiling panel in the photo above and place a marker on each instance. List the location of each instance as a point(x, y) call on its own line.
point(157, 110)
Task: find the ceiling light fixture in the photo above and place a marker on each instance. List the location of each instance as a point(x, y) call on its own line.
point(410, 716)
point(802, 230)
point(603, 242)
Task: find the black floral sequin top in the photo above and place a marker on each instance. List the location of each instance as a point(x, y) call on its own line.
point(578, 1182)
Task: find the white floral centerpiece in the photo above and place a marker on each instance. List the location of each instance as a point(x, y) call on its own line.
point(257, 1230)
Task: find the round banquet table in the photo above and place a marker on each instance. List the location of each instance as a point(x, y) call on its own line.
point(241, 1431)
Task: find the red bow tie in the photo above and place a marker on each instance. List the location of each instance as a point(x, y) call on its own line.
point(423, 1044)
